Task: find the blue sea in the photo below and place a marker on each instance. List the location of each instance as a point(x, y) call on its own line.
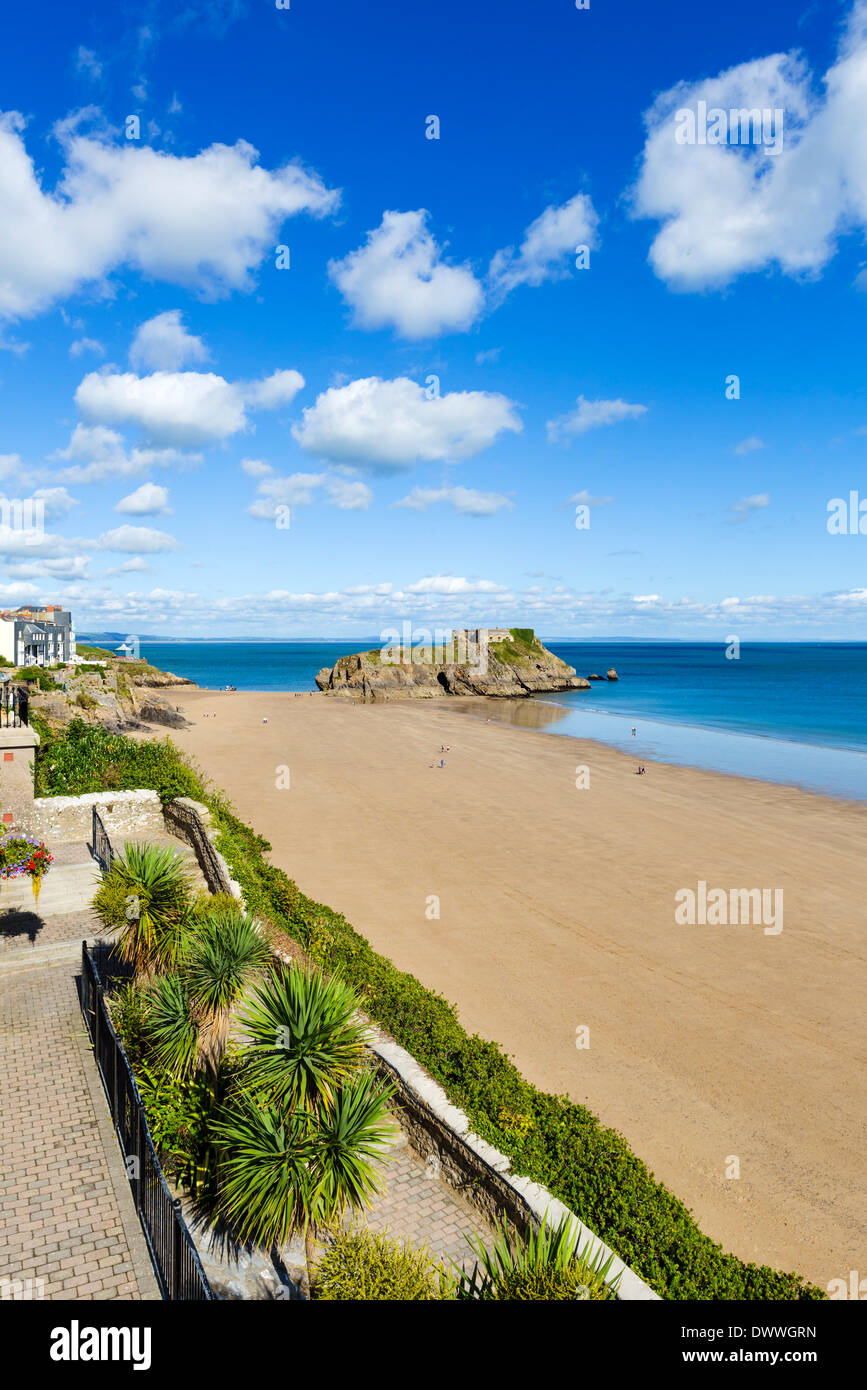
point(783, 711)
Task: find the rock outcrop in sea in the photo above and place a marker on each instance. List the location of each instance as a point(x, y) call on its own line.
point(503, 664)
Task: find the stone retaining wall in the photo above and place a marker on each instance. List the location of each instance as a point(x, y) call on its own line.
point(191, 821)
point(63, 818)
point(475, 1168)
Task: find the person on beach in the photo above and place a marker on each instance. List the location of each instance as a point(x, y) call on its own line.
point(633, 731)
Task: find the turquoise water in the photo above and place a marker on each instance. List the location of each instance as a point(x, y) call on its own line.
point(784, 711)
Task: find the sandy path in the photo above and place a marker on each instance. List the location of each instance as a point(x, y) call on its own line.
point(557, 910)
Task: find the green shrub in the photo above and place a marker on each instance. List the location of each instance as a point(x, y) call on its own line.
point(85, 670)
point(84, 701)
point(37, 675)
point(87, 758)
point(204, 904)
point(129, 1013)
point(110, 902)
point(361, 1266)
point(181, 1115)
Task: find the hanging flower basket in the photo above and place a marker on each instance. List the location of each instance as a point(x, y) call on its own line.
point(20, 855)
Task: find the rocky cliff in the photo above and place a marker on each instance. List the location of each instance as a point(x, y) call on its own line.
point(118, 695)
point(517, 666)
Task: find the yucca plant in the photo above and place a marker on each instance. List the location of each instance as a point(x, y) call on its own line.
point(303, 1038)
point(145, 898)
point(353, 1134)
point(286, 1170)
point(544, 1265)
point(227, 953)
point(267, 1186)
point(171, 1027)
point(190, 1009)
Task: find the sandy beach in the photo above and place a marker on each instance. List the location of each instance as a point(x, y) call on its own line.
point(708, 1044)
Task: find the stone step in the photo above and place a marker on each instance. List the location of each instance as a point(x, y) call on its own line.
point(65, 888)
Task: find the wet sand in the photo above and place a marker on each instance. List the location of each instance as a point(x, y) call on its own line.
point(708, 1044)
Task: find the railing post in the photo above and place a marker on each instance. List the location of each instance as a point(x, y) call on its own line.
point(96, 1026)
point(177, 1248)
point(139, 1155)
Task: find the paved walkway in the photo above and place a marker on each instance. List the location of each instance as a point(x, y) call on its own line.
point(418, 1206)
point(69, 1228)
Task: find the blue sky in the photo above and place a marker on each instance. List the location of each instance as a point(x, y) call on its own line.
point(175, 398)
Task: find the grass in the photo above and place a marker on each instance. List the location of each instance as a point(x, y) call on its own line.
point(94, 653)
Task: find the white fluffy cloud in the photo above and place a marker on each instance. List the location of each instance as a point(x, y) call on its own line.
point(280, 388)
point(257, 468)
point(466, 500)
point(749, 446)
point(299, 489)
point(97, 454)
point(82, 345)
point(398, 279)
point(163, 344)
point(548, 245)
point(591, 415)
point(727, 209)
point(148, 500)
point(180, 409)
point(205, 221)
point(134, 539)
point(57, 501)
point(349, 496)
point(387, 426)
point(584, 498)
point(295, 490)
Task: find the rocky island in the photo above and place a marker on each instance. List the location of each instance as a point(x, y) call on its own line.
point(499, 662)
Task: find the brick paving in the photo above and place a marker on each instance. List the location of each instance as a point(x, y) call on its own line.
point(418, 1206)
point(68, 1222)
point(25, 931)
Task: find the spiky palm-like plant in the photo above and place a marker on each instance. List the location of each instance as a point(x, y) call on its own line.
point(354, 1131)
point(303, 1036)
point(190, 1010)
point(227, 953)
point(171, 1028)
point(286, 1170)
point(267, 1188)
point(543, 1265)
point(145, 897)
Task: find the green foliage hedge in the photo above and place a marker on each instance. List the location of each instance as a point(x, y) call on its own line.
point(550, 1139)
point(37, 675)
point(87, 758)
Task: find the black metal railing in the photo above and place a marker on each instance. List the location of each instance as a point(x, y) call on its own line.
point(14, 706)
point(100, 843)
point(175, 1259)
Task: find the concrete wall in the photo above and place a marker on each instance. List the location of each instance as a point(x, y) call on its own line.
point(17, 754)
